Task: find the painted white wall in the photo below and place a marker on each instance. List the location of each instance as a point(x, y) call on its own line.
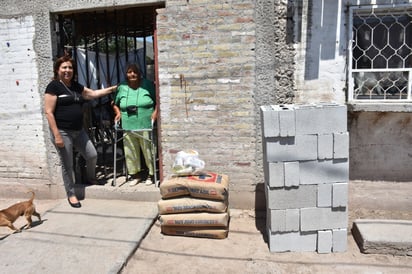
point(321, 53)
point(22, 144)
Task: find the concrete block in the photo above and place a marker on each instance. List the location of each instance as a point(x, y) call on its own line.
point(291, 173)
point(289, 198)
point(287, 121)
point(320, 118)
point(276, 220)
point(323, 218)
point(298, 148)
point(325, 146)
point(325, 195)
point(340, 195)
point(265, 163)
point(276, 176)
point(270, 122)
point(283, 220)
point(292, 219)
point(381, 236)
point(339, 240)
point(324, 241)
point(326, 171)
point(292, 241)
point(341, 145)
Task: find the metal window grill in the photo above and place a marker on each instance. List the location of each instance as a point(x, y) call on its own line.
point(380, 61)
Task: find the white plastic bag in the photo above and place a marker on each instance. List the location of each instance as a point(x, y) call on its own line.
point(187, 162)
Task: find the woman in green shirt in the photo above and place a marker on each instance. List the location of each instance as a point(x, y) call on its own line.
point(135, 106)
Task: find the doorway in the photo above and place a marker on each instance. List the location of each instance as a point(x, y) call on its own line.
point(102, 42)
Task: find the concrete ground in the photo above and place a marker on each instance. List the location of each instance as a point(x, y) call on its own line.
point(99, 237)
point(117, 236)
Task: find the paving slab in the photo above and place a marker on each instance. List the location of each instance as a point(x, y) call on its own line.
point(99, 237)
point(382, 236)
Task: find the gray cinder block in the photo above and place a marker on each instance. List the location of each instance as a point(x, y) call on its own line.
point(325, 195)
point(292, 219)
point(326, 171)
point(287, 121)
point(298, 148)
point(341, 145)
point(289, 198)
point(270, 121)
point(276, 220)
point(320, 118)
point(340, 240)
point(324, 241)
point(325, 146)
point(291, 174)
point(340, 195)
point(276, 176)
point(283, 220)
point(312, 219)
point(292, 241)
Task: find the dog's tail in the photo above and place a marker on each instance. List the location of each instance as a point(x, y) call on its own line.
point(32, 197)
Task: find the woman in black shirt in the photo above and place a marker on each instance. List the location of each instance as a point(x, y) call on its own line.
point(63, 101)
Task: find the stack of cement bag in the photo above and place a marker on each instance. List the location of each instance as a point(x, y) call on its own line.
point(195, 206)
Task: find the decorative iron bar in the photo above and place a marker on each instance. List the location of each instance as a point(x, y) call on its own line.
point(380, 53)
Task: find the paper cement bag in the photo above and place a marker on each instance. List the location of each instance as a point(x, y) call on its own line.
point(200, 232)
point(190, 204)
point(195, 219)
point(207, 185)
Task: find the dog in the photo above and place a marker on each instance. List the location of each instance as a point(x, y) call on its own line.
point(9, 215)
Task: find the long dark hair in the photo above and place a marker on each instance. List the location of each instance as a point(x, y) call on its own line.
point(58, 63)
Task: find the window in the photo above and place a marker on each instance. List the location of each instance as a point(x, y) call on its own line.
point(380, 56)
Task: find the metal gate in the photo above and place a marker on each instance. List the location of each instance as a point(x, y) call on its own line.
point(102, 43)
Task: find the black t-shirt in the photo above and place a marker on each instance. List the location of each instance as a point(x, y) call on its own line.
point(68, 112)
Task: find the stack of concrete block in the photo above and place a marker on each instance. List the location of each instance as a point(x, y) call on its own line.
point(306, 170)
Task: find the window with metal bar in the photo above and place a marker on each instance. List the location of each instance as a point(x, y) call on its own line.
point(380, 54)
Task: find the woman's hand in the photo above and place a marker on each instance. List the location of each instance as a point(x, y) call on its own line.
point(154, 114)
point(50, 102)
point(117, 114)
point(59, 141)
point(117, 117)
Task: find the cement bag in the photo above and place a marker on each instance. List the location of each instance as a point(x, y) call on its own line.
point(195, 219)
point(200, 232)
point(208, 186)
point(189, 204)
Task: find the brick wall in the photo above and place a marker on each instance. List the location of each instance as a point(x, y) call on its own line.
point(22, 150)
point(207, 82)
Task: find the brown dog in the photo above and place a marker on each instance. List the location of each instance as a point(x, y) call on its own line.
point(9, 215)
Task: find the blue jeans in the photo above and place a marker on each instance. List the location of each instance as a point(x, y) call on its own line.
point(80, 140)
